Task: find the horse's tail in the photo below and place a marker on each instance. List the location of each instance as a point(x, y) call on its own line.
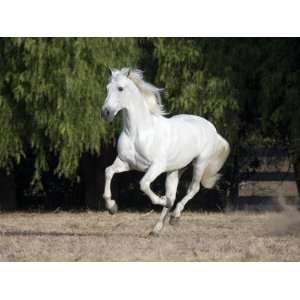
point(211, 175)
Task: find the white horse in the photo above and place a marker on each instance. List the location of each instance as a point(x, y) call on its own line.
point(154, 144)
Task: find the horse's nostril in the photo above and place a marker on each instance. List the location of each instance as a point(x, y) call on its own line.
point(104, 113)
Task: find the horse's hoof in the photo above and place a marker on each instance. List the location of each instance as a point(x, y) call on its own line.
point(174, 220)
point(113, 209)
point(153, 234)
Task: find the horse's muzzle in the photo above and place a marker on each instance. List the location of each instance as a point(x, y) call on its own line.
point(105, 114)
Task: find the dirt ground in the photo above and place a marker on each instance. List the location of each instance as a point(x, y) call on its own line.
point(98, 236)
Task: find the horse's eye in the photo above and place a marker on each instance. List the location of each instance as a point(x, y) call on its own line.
point(120, 89)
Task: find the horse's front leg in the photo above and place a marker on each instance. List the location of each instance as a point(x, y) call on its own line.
point(153, 172)
point(171, 188)
point(118, 166)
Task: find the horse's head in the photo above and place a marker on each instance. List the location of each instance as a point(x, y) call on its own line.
point(118, 91)
point(126, 86)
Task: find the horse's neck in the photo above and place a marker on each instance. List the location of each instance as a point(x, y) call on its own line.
point(136, 117)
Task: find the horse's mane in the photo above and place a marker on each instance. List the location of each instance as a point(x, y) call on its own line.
point(150, 92)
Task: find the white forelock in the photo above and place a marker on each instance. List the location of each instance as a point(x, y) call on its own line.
point(150, 92)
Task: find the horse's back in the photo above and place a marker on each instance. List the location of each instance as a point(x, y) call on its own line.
point(194, 120)
point(198, 128)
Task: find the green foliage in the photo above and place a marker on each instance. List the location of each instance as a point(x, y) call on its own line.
point(197, 80)
point(50, 97)
point(249, 88)
point(280, 93)
point(51, 91)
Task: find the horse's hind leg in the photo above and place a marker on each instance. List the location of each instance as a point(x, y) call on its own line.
point(171, 188)
point(194, 187)
point(211, 176)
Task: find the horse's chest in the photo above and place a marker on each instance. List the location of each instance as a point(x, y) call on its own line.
point(128, 151)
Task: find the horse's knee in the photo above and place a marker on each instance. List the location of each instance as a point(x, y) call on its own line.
point(144, 185)
point(106, 196)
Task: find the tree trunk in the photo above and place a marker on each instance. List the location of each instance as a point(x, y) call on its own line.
point(234, 184)
point(8, 199)
point(91, 197)
point(297, 175)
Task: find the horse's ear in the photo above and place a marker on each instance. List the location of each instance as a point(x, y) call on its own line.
point(126, 71)
point(112, 71)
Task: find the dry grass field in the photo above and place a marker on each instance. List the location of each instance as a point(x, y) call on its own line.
point(93, 236)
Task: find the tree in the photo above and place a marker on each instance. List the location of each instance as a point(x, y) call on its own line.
point(249, 88)
point(200, 77)
point(279, 96)
point(51, 91)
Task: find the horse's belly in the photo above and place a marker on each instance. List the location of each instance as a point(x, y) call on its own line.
point(188, 142)
point(181, 155)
